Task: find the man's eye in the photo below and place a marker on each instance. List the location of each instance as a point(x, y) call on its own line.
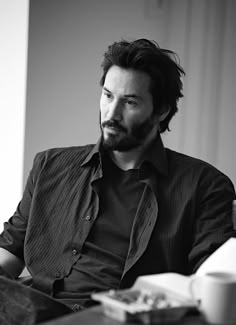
point(131, 103)
point(107, 95)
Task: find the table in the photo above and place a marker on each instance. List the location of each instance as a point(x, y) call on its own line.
point(95, 316)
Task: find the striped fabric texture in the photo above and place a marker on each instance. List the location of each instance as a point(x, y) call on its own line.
point(185, 213)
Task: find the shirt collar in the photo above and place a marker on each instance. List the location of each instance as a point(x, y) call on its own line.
point(156, 155)
point(96, 151)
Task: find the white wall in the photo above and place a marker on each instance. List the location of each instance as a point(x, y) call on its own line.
point(205, 124)
point(67, 39)
point(13, 59)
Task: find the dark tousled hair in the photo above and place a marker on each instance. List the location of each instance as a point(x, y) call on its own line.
point(160, 64)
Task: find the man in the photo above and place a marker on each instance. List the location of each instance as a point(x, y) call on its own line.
point(96, 217)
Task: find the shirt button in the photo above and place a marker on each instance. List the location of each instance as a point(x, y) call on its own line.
point(74, 251)
point(87, 218)
point(57, 274)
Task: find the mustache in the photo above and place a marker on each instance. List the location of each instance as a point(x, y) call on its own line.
point(113, 124)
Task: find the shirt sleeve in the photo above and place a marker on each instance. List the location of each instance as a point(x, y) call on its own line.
point(13, 235)
point(214, 223)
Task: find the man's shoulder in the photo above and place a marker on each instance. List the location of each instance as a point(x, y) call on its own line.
point(64, 155)
point(69, 151)
point(181, 158)
point(192, 165)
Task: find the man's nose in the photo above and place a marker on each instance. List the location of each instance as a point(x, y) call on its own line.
point(114, 111)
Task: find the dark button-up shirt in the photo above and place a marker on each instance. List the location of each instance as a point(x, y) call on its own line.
point(183, 216)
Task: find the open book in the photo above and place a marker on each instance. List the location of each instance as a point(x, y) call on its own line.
point(223, 259)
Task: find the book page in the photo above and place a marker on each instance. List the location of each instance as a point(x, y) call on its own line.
point(223, 259)
point(171, 283)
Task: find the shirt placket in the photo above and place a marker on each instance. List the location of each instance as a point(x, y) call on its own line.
point(143, 226)
point(84, 228)
point(91, 214)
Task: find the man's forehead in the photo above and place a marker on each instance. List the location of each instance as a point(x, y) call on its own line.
point(131, 82)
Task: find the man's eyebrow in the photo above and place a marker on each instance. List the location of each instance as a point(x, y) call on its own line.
point(133, 96)
point(104, 88)
point(127, 95)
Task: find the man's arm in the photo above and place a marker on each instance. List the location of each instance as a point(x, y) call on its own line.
point(214, 224)
point(10, 263)
point(13, 235)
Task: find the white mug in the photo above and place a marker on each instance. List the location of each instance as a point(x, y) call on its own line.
point(216, 293)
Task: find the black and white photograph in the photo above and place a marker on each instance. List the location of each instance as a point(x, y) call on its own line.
point(117, 169)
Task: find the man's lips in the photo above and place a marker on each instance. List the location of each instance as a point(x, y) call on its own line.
point(113, 129)
point(111, 126)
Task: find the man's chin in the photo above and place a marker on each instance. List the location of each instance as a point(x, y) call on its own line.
point(114, 144)
point(110, 144)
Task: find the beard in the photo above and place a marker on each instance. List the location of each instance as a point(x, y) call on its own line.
point(129, 139)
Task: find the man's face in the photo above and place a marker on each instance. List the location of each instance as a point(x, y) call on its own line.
point(126, 109)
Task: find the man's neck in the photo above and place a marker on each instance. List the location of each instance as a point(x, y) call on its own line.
point(126, 160)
